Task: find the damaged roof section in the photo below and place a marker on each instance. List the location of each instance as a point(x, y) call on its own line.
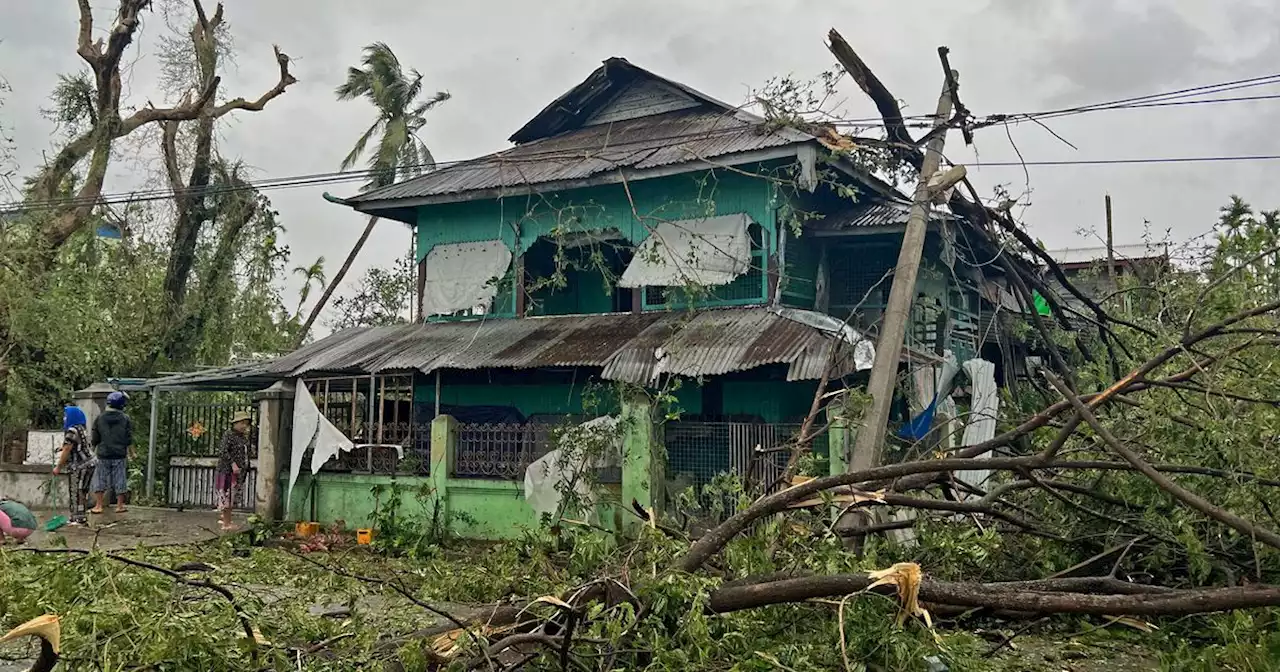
point(875, 214)
point(620, 117)
point(633, 348)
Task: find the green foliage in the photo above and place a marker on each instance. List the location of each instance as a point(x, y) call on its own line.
point(381, 298)
point(402, 110)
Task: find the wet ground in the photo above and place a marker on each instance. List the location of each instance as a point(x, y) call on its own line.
point(138, 526)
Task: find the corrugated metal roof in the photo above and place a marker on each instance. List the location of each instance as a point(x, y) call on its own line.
point(1088, 255)
point(627, 347)
point(646, 142)
point(875, 214)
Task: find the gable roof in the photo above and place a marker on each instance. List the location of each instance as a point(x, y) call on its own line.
point(602, 87)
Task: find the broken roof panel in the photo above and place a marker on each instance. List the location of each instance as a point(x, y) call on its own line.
point(877, 213)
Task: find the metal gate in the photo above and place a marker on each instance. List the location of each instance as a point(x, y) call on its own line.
point(190, 434)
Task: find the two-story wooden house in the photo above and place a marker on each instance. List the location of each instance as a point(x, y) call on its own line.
point(638, 233)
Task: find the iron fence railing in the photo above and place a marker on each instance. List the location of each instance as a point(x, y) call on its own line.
point(756, 453)
point(413, 458)
point(500, 450)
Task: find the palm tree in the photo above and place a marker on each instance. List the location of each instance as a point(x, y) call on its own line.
point(399, 152)
point(313, 273)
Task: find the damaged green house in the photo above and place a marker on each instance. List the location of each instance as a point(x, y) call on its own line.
point(643, 251)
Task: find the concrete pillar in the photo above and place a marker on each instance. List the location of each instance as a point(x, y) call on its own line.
point(643, 458)
point(93, 401)
point(274, 446)
point(444, 445)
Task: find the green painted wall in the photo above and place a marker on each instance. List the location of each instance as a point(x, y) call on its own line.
point(535, 399)
point(799, 284)
point(698, 194)
point(774, 401)
point(519, 221)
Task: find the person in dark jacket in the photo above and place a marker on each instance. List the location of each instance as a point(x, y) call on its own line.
point(113, 439)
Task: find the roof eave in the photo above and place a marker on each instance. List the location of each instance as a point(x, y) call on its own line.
point(612, 177)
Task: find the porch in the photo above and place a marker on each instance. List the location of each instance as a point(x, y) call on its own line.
point(446, 417)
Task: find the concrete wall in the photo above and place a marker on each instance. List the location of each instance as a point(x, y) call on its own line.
point(33, 485)
point(481, 509)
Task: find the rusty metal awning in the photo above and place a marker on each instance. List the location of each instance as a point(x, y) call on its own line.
point(633, 348)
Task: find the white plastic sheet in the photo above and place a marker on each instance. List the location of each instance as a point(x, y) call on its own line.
point(547, 476)
point(983, 414)
point(702, 252)
point(461, 276)
point(310, 428)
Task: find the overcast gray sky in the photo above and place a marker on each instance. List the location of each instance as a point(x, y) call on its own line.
point(503, 61)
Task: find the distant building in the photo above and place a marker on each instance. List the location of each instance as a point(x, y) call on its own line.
point(1086, 268)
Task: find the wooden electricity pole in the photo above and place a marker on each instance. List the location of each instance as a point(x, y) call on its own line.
point(869, 447)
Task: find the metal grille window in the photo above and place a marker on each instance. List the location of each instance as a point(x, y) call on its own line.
point(500, 451)
point(748, 288)
point(859, 271)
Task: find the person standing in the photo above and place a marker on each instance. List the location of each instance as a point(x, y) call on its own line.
point(233, 465)
point(113, 440)
point(77, 462)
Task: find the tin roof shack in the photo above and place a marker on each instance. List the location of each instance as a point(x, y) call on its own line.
point(644, 233)
point(1086, 268)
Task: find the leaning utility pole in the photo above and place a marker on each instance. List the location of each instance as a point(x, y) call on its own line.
point(1111, 251)
point(869, 447)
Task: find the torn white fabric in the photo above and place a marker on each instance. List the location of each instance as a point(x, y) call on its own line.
point(306, 421)
point(701, 252)
point(463, 276)
point(549, 475)
point(329, 442)
point(982, 414)
point(310, 428)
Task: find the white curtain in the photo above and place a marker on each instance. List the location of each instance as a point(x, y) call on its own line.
point(544, 478)
point(703, 252)
point(463, 276)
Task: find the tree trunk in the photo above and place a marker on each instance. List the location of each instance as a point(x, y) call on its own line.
point(184, 341)
point(337, 280)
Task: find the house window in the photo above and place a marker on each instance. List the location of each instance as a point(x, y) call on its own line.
point(467, 279)
point(576, 275)
point(860, 275)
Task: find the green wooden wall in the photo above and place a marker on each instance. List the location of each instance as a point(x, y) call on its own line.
point(519, 221)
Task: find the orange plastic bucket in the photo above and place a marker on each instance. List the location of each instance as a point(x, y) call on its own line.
point(364, 537)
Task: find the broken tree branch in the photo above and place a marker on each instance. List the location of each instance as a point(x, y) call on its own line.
point(1033, 597)
point(1183, 495)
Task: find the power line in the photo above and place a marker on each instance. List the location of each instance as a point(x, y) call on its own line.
point(1163, 99)
point(1116, 162)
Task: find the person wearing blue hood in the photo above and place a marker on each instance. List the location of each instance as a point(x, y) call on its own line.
point(77, 462)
